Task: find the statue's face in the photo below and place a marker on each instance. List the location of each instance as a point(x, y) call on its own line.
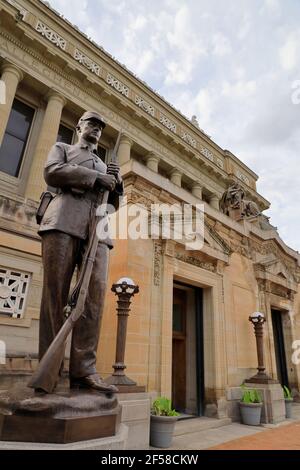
point(90, 131)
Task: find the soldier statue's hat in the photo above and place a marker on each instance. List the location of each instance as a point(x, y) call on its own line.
point(92, 115)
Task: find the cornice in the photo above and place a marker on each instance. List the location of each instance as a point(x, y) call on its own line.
point(218, 173)
point(188, 132)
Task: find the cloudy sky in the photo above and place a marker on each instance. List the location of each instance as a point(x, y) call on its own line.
point(232, 63)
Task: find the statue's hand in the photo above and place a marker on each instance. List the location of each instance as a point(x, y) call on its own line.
point(106, 181)
point(114, 169)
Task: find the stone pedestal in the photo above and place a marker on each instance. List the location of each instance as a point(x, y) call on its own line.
point(136, 415)
point(235, 214)
point(273, 410)
point(117, 442)
point(63, 417)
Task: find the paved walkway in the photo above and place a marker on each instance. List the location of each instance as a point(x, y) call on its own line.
point(282, 438)
point(285, 435)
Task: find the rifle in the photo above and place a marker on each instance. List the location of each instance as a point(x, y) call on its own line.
point(46, 375)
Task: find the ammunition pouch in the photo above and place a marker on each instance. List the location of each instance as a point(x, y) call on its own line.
point(45, 199)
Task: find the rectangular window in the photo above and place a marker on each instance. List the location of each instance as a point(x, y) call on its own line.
point(15, 138)
point(65, 135)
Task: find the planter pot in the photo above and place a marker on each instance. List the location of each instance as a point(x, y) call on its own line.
point(161, 430)
point(251, 413)
point(288, 408)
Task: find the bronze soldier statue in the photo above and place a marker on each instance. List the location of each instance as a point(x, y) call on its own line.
point(78, 174)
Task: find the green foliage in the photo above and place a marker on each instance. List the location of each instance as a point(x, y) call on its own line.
point(287, 393)
point(250, 395)
point(162, 407)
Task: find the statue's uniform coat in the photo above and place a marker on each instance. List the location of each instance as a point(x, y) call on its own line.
point(73, 169)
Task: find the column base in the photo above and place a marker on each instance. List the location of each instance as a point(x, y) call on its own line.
point(124, 384)
point(262, 379)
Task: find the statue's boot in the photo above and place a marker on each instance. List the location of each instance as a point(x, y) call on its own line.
point(94, 382)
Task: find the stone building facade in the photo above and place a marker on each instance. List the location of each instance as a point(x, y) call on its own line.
point(188, 332)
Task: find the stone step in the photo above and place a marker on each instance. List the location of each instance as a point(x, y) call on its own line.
point(189, 426)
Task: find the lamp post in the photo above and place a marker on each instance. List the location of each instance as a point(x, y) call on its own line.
point(125, 289)
point(258, 319)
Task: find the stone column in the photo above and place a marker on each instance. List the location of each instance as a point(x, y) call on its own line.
point(175, 177)
point(47, 138)
point(152, 162)
point(11, 76)
point(124, 149)
point(214, 202)
point(197, 190)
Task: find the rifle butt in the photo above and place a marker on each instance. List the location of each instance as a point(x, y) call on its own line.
point(46, 375)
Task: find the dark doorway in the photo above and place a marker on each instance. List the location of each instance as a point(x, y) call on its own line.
point(281, 364)
point(179, 350)
point(199, 350)
point(187, 316)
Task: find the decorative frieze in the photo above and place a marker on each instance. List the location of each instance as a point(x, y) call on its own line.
point(270, 247)
point(280, 291)
point(87, 62)
point(207, 153)
point(243, 177)
point(167, 123)
point(157, 263)
point(13, 292)
point(196, 262)
point(144, 105)
point(189, 139)
point(117, 85)
point(51, 35)
point(215, 235)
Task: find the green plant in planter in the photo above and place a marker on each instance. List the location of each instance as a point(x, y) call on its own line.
point(288, 399)
point(250, 395)
point(251, 406)
point(287, 393)
point(162, 406)
point(162, 422)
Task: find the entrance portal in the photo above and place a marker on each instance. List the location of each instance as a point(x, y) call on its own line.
point(279, 344)
point(187, 350)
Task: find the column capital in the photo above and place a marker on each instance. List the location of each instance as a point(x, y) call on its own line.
point(214, 201)
point(176, 172)
point(54, 95)
point(152, 161)
point(9, 67)
point(125, 139)
point(175, 176)
point(152, 156)
point(197, 189)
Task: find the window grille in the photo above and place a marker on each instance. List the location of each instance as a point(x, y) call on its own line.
point(13, 292)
